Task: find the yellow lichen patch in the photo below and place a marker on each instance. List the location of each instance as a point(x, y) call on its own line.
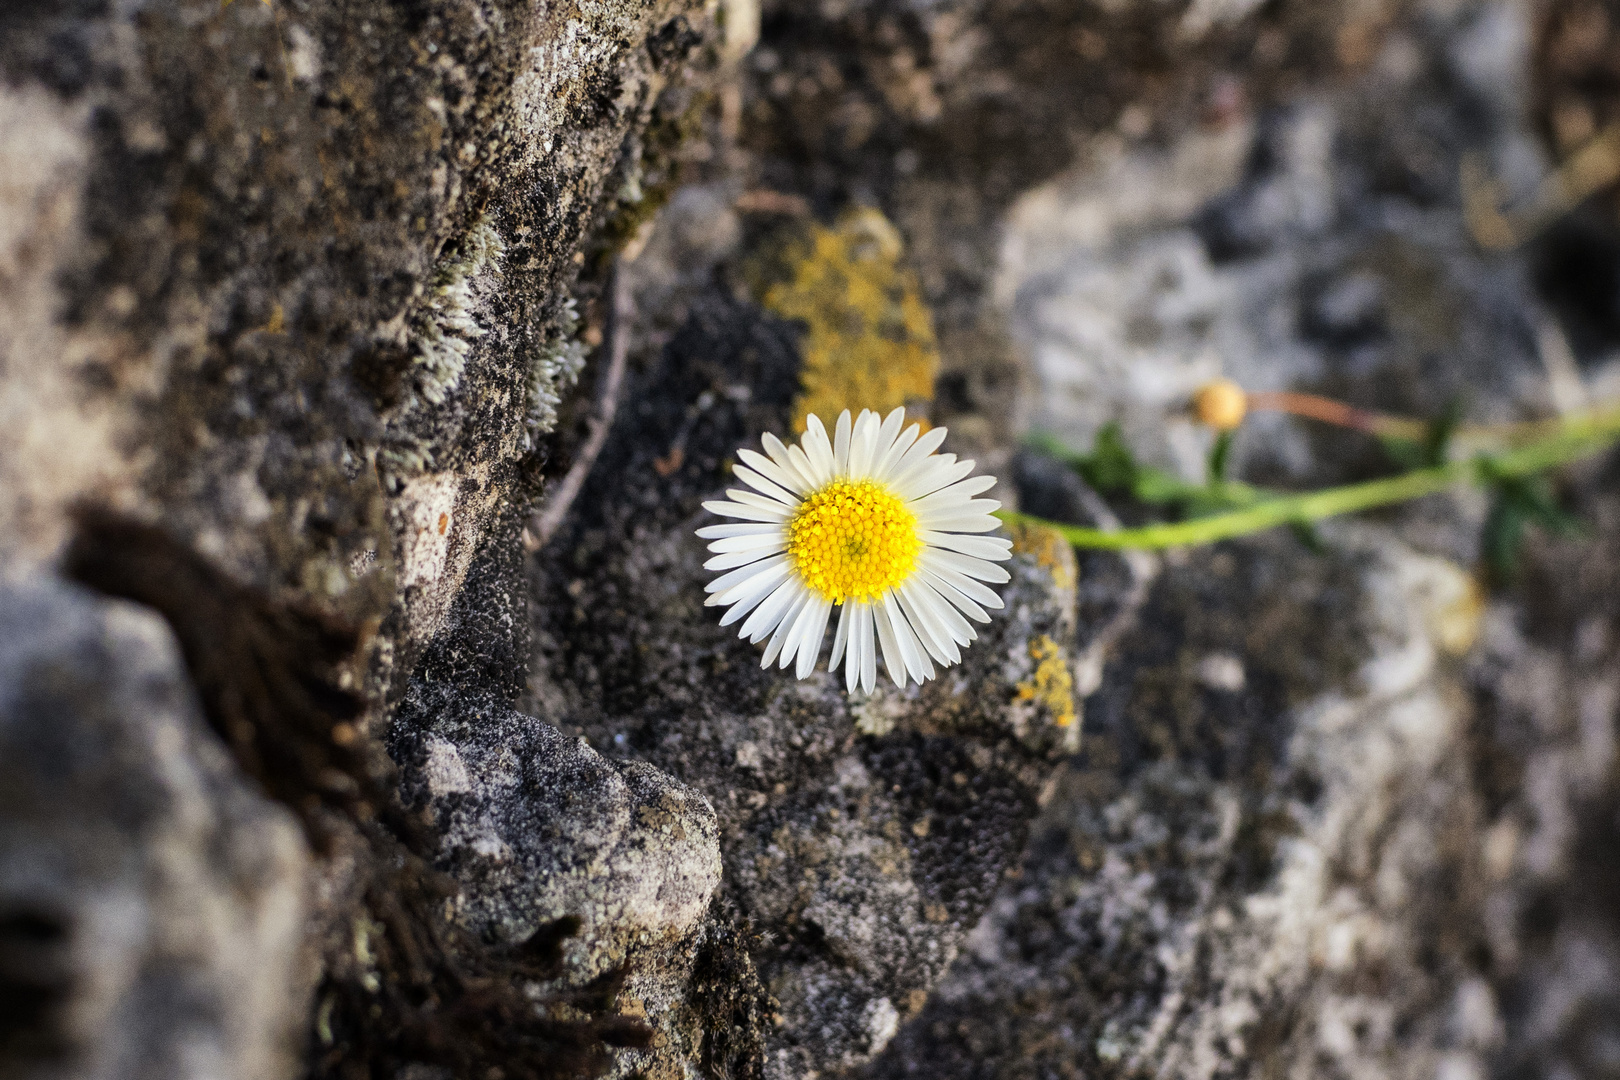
point(870, 338)
point(853, 539)
point(1049, 549)
point(1051, 685)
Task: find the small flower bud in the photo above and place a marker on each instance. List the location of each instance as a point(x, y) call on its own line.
point(1220, 404)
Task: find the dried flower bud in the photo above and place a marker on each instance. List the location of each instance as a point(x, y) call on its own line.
point(1220, 404)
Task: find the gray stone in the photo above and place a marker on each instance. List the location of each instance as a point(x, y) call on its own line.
point(152, 903)
point(537, 827)
point(862, 836)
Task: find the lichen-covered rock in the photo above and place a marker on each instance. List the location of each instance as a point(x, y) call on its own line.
point(287, 290)
point(1336, 814)
point(862, 838)
point(539, 829)
point(152, 903)
point(290, 294)
point(294, 278)
point(1271, 813)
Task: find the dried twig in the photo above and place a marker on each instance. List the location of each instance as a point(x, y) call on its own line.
point(1587, 171)
point(545, 523)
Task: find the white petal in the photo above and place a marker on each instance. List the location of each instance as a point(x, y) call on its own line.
point(802, 462)
point(863, 649)
point(747, 597)
point(810, 647)
point(955, 494)
point(862, 443)
point(953, 508)
point(742, 599)
point(734, 559)
point(817, 446)
point(977, 590)
point(960, 630)
point(771, 471)
point(967, 523)
point(803, 618)
point(869, 649)
point(746, 513)
point(924, 446)
point(852, 662)
point(965, 564)
point(979, 547)
point(783, 456)
point(933, 637)
point(758, 542)
point(736, 577)
point(841, 637)
point(754, 498)
point(721, 532)
point(841, 444)
point(784, 629)
point(893, 661)
point(933, 471)
point(769, 614)
point(951, 630)
point(956, 597)
point(911, 651)
point(885, 468)
point(762, 485)
point(887, 433)
point(931, 475)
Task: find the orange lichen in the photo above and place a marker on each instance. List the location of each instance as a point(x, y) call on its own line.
point(1051, 685)
point(1049, 549)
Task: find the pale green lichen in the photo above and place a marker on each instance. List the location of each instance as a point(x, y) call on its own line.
point(445, 327)
point(556, 368)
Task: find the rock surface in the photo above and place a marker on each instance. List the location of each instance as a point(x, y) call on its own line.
point(292, 297)
point(152, 903)
point(1337, 813)
point(865, 837)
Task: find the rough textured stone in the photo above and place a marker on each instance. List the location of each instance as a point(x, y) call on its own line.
point(152, 903)
point(538, 828)
point(862, 836)
point(295, 278)
point(291, 293)
point(1337, 813)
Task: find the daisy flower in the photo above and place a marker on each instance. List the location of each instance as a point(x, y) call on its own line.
point(871, 522)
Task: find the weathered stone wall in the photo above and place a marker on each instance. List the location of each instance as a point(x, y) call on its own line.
point(286, 314)
point(306, 307)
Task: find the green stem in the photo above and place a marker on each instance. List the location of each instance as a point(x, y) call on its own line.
point(1577, 437)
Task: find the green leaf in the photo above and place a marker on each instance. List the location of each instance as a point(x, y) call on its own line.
point(1437, 446)
point(1404, 453)
point(1159, 488)
point(1502, 537)
point(1110, 467)
point(1220, 457)
point(1517, 503)
point(1306, 533)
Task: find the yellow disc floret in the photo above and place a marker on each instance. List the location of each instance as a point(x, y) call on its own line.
point(853, 539)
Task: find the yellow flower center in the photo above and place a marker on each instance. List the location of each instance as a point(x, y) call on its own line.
point(853, 539)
